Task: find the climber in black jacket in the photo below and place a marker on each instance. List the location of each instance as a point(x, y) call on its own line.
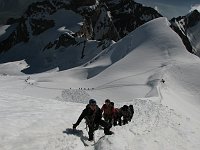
point(93, 115)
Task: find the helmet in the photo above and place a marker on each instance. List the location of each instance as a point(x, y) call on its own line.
point(112, 103)
point(125, 108)
point(92, 101)
point(107, 101)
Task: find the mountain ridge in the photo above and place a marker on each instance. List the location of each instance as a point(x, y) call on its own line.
point(95, 22)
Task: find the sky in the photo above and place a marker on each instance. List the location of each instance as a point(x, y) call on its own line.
point(37, 110)
point(172, 8)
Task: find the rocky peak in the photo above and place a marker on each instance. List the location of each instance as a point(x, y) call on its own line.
point(192, 19)
point(182, 25)
point(45, 8)
point(79, 3)
point(127, 15)
point(188, 21)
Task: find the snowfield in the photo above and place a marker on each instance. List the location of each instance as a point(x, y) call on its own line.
point(37, 111)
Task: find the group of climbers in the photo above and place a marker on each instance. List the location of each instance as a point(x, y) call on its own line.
point(117, 116)
point(112, 116)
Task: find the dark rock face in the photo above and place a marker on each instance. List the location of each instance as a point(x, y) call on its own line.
point(39, 8)
point(20, 34)
point(114, 20)
point(127, 15)
point(11, 21)
point(193, 19)
point(46, 7)
point(79, 3)
point(40, 25)
point(184, 38)
point(103, 25)
point(181, 25)
point(65, 40)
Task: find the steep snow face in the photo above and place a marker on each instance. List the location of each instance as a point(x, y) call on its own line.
point(141, 60)
point(149, 40)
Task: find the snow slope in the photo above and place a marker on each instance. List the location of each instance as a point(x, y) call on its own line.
point(37, 111)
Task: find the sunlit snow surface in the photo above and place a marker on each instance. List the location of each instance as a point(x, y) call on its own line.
point(36, 109)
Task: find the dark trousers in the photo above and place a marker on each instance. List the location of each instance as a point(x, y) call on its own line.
point(95, 126)
point(108, 118)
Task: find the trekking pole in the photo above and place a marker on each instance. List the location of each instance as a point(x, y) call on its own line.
point(86, 127)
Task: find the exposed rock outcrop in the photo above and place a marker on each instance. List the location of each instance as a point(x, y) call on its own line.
point(188, 28)
point(20, 34)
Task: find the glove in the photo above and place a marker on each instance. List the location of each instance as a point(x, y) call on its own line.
point(74, 126)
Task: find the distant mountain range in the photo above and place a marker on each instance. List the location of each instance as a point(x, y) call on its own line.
point(72, 32)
